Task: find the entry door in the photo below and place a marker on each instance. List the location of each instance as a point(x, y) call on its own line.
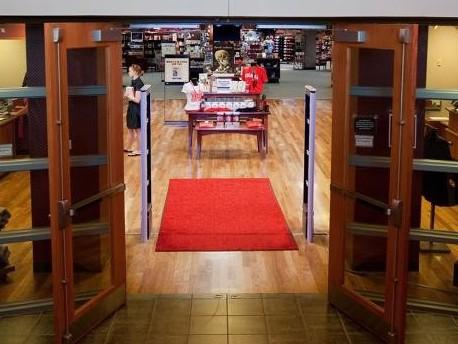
point(374, 79)
point(84, 106)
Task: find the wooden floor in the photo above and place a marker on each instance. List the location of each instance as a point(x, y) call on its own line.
point(233, 155)
point(227, 272)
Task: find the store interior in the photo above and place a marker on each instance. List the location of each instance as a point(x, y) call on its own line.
point(293, 56)
point(289, 53)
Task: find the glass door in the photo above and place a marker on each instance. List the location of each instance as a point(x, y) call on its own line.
point(374, 80)
point(84, 104)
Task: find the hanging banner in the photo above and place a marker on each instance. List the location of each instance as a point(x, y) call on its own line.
point(176, 69)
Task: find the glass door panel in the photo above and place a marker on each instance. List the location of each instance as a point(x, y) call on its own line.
point(369, 125)
point(433, 286)
point(25, 258)
point(86, 156)
point(374, 90)
point(88, 130)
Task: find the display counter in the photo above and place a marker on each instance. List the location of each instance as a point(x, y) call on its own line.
point(8, 122)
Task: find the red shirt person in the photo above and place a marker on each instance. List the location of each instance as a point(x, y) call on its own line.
point(255, 77)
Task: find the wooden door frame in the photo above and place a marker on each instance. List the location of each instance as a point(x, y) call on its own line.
point(67, 318)
point(392, 328)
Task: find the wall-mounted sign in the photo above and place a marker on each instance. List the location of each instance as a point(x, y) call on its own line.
point(176, 69)
point(223, 85)
point(365, 129)
point(6, 150)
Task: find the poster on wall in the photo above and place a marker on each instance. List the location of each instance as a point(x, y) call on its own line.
point(168, 48)
point(223, 58)
point(176, 69)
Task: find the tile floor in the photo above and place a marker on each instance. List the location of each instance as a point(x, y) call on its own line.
point(228, 319)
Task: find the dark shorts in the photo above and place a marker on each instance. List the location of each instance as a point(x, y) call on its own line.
point(133, 116)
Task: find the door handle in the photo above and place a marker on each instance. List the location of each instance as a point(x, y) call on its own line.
point(108, 192)
point(394, 211)
point(390, 119)
point(361, 197)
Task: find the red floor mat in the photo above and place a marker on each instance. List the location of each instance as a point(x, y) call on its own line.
point(223, 215)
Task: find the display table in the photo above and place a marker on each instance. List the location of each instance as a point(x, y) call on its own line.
point(196, 116)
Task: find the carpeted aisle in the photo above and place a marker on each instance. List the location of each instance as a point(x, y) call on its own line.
point(240, 214)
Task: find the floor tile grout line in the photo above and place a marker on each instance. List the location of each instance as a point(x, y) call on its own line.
point(265, 319)
point(30, 332)
point(188, 339)
point(455, 320)
point(110, 328)
point(150, 323)
point(301, 313)
point(342, 324)
point(227, 319)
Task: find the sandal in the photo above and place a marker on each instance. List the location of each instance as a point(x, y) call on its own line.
point(134, 154)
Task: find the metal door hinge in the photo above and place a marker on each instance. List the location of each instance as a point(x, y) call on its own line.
point(63, 207)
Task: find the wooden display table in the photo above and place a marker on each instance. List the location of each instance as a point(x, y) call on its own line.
point(195, 116)
point(259, 132)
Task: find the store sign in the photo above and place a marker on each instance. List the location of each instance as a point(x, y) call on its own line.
point(223, 85)
point(364, 129)
point(176, 69)
point(6, 150)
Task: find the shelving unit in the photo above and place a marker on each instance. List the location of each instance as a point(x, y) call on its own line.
point(278, 46)
point(148, 54)
point(254, 50)
point(288, 48)
point(299, 60)
point(323, 49)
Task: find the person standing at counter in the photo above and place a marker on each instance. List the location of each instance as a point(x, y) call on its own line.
point(255, 77)
point(133, 94)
